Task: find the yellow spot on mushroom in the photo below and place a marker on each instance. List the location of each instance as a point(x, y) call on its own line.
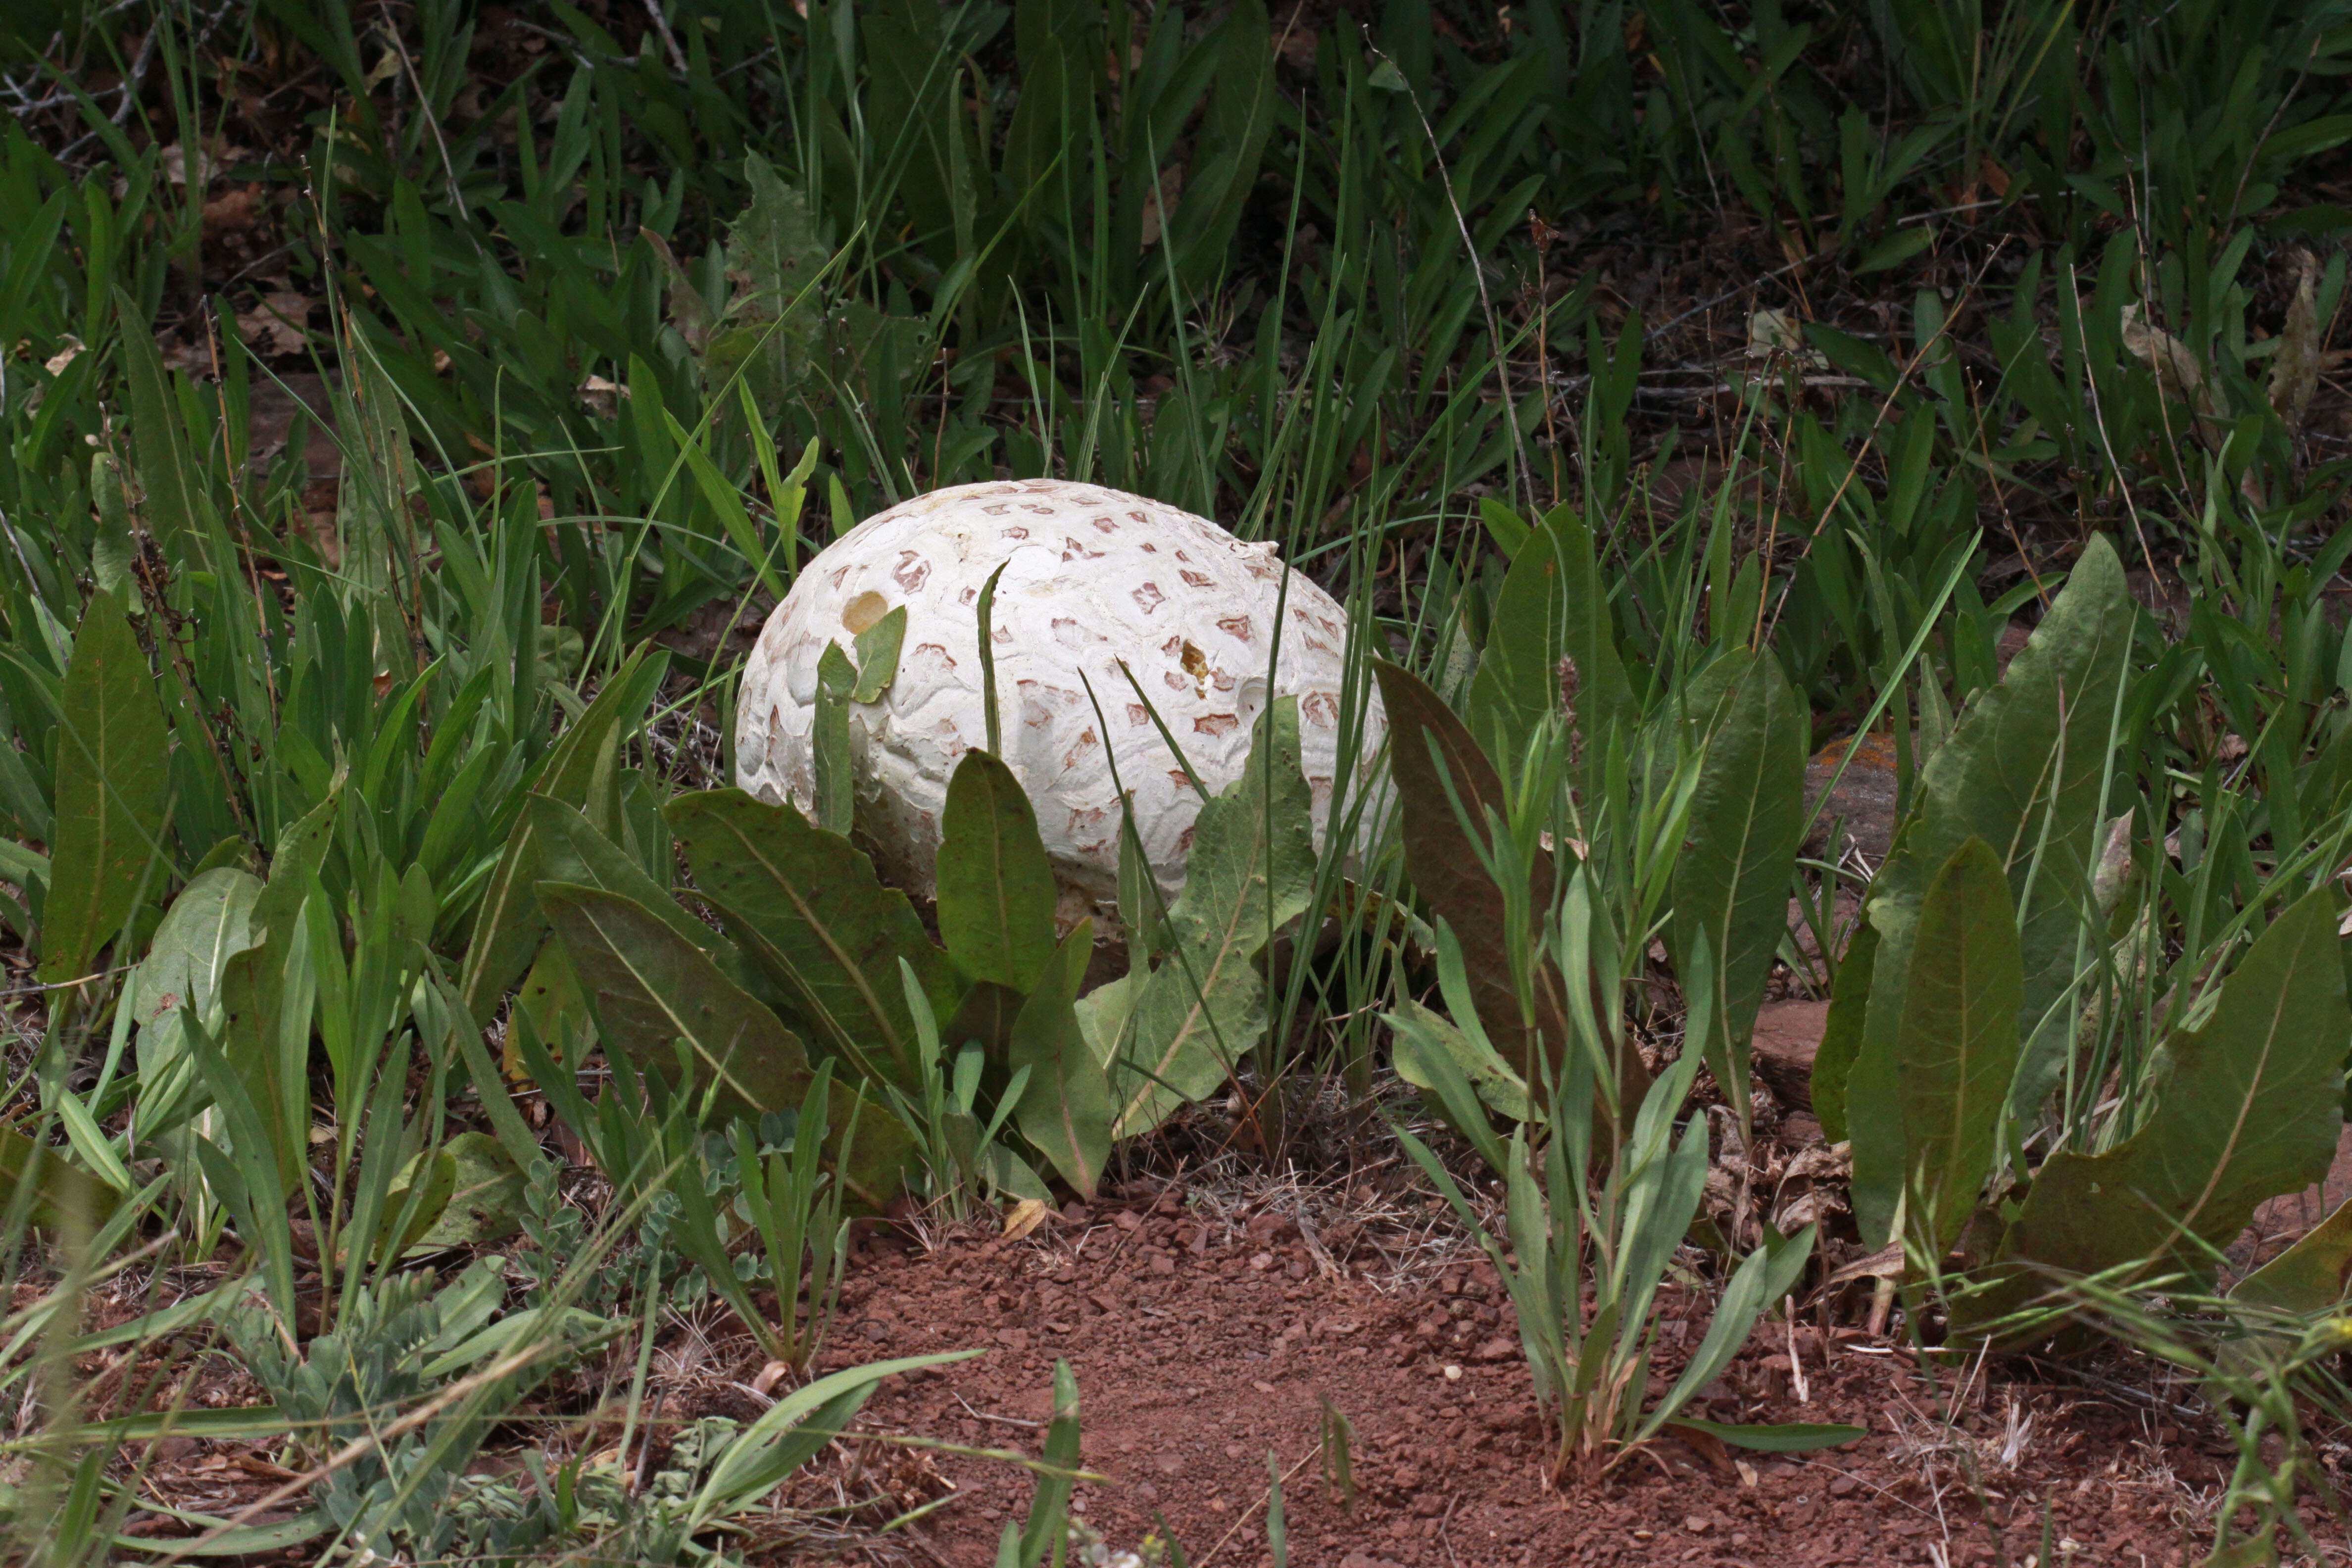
point(863, 611)
point(1196, 665)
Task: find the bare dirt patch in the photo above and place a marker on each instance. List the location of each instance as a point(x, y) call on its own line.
point(1202, 1345)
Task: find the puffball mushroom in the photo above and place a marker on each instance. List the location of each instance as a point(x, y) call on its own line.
point(1092, 577)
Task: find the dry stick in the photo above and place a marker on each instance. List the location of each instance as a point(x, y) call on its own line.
point(661, 25)
point(1479, 275)
point(1918, 357)
point(359, 1448)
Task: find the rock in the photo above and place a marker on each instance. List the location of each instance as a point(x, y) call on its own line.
point(1787, 1035)
point(1864, 797)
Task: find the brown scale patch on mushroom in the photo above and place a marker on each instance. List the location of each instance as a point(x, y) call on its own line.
point(1183, 780)
point(1320, 708)
point(1235, 626)
point(1137, 715)
point(1075, 549)
point(1175, 681)
point(863, 611)
point(840, 574)
point(911, 571)
point(1198, 579)
point(1085, 741)
point(1107, 525)
point(1223, 680)
point(1149, 597)
point(1216, 723)
point(1149, 548)
point(1016, 533)
point(1000, 634)
point(934, 650)
point(1259, 569)
point(999, 509)
point(1184, 842)
point(1068, 632)
point(1084, 817)
point(1042, 511)
point(968, 597)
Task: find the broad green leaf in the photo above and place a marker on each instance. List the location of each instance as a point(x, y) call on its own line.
point(1956, 1051)
point(1842, 1032)
point(996, 891)
point(581, 771)
point(2247, 1108)
point(1252, 871)
point(112, 781)
point(2311, 1276)
point(571, 850)
point(649, 988)
point(1510, 531)
point(1066, 1106)
point(1104, 1011)
point(1552, 608)
point(209, 924)
point(551, 998)
point(486, 1195)
point(2024, 770)
point(1786, 1437)
point(810, 914)
point(1731, 879)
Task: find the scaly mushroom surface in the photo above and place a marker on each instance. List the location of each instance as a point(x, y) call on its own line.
point(1092, 577)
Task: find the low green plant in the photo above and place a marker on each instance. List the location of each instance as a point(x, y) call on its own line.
point(797, 1207)
point(1611, 1244)
point(1987, 970)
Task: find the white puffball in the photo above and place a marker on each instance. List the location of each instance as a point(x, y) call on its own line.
point(1091, 577)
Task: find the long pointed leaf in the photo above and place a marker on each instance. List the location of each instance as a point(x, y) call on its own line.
point(650, 988)
point(112, 776)
point(809, 912)
point(996, 887)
